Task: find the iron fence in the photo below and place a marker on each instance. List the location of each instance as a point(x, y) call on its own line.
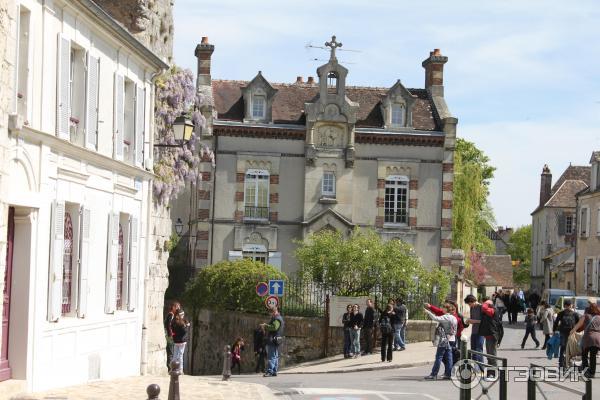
point(308, 298)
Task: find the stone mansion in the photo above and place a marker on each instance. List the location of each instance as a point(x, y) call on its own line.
point(294, 159)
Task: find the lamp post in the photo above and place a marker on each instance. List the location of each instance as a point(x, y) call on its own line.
point(183, 128)
point(179, 227)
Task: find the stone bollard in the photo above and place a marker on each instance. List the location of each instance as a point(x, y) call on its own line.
point(226, 363)
point(153, 391)
point(174, 384)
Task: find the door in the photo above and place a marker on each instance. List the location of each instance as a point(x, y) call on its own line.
point(4, 367)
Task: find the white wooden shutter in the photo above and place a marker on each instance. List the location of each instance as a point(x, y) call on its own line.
point(235, 255)
point(112, 263)
point(57, 248)
point(63, 87)
point(275, 259)
point(91, 121)
point(140, 108)
point(84, 262)
point(595, 272)
point(17, 64)
point(119, 123)
point(585, 275)
point(133, 265)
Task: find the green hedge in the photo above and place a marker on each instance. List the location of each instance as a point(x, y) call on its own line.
point(230, 285)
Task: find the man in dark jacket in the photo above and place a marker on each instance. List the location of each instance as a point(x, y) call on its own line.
point(274, 331)
point(513, 308)
point(399, 323)
point(491, 329)
point(260, 348)
point(368, 325)
point(169, 333)
point(564, 323)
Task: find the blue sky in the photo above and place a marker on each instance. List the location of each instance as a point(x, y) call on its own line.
point(522, 76)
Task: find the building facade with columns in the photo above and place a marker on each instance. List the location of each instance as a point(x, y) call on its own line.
point(295, 159)
point(79, 196)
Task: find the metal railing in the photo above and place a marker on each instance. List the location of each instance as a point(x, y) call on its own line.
point(473, 373)
point(251, 212)
point(533, 385)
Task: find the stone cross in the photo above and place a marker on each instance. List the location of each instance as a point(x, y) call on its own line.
point(334, 45)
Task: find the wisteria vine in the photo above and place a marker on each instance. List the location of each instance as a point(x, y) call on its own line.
point(176, 94)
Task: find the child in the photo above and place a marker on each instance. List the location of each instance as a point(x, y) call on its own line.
point(180, 337)
point(236, 354)
point(530, 321)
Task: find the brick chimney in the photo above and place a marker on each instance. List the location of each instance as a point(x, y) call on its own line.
point(434, 72)
point(204, 53)
point(299, 80)
point(545, 185)
point(311, 80)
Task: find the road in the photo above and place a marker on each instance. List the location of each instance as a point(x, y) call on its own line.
point(408, 383)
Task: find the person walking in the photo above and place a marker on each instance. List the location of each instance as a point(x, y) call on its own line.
point(398, 321)
point(530, 322)
point(368, 325)
point(168, 325)
point(590, 341)
point(514, 306)
point(499, 304)
point(346, 322)
point(356, 323)
point(546, 318)
point(236, 354)
point(387, 333)
point(491, 329)
point(403, 321)
point(446, 332)
point(180, 337)
point(260, 348)
point(274, 330)
point(475, 320)
point(564, 323)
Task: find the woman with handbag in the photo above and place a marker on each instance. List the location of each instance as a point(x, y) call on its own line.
point(590, 342)
point(446, 333)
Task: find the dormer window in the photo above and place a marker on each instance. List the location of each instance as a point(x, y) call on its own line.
point(258, 107)
point(398, 113)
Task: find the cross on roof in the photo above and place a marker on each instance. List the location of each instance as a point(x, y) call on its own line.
point(334, 45)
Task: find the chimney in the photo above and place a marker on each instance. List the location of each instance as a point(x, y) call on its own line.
point(299, 80)
point(311, 80)
point(545, 185)
point(204, 53)
point(434, 72)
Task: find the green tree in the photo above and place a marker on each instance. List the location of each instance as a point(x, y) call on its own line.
point(519, 248)
point(359, 263)
point(472, 214)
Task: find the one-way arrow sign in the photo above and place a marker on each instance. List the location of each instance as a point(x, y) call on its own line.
point(276, 287)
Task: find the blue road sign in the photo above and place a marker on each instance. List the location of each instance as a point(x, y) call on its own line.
point(276, 287)
point(262, 289)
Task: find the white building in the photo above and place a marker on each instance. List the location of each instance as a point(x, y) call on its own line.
point(79, 193)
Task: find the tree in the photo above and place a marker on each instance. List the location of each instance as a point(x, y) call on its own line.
point(519, 248)
point(472, 214)
point(358, 264)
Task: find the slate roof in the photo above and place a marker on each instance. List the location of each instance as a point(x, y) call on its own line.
point(498, 271)
point(576, 173)
point(563, 193)
point(288, 103)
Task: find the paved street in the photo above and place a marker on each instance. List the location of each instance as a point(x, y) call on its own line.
point(406, 383)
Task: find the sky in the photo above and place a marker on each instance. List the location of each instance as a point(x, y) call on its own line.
point(522, 76)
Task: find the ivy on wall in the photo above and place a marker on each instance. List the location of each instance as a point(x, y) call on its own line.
point(176, 95)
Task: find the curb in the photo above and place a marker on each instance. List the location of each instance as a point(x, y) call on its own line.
point(362, 369)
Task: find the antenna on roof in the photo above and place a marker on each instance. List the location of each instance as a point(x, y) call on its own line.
point(322, 60)
point(309, 45)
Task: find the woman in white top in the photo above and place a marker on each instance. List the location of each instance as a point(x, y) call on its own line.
point(546, 318)
point(446, 330)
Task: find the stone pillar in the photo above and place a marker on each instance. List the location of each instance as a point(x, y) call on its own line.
point(449, 127)
point(8, 19)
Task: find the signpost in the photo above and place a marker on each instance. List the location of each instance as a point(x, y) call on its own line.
point(272, 301)
point(262, 289)
point(276, 287)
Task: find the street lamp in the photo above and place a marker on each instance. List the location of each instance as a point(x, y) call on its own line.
point(179, 227)
point(183, 128)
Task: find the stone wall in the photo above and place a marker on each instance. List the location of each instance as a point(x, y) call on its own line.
point(7, 57)
point(304, 339)
point(150, 21)
point(157, 281)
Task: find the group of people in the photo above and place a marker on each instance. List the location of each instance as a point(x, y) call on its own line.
point(559, 329)
point(392, 326)
point(510, 303)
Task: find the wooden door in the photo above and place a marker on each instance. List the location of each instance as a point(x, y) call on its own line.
point(4, 367)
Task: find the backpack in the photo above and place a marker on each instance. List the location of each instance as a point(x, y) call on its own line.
point(441, 339)
point(567, 321)
point(385, 326)
point(492, 326)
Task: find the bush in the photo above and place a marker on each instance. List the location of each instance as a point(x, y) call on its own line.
point(230, 285)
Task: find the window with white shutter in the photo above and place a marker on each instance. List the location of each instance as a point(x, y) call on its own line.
point(133, 272)
point(57, 240)
point(596, 275)
point(91, 120)
point(129, 122)
point(22, 70)
point(84, 262)
point(119, 117)
point(112, 263)
point(140, 114)
point(63, 87)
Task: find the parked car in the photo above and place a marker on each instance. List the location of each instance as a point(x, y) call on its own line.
point(581, 303)
point(555, 297)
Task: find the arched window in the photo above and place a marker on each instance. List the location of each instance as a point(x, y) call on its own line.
point(67, 265)
point(120, 269)
point(396, 199)
point(332, 82)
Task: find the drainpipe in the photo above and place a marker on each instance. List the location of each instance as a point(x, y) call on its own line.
point(214, 195)
point(144, 344)
point(576, 231)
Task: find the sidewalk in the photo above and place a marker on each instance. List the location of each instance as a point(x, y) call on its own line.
point(416, 354)
point(190, 387)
